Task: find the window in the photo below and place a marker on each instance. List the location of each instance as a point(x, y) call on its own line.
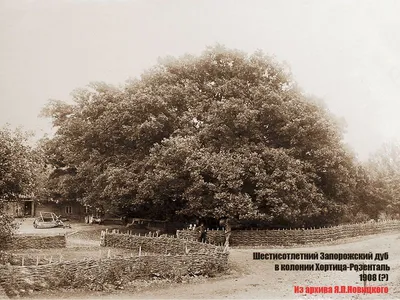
point(68, 210)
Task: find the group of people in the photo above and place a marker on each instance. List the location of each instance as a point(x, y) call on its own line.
point(202, 229)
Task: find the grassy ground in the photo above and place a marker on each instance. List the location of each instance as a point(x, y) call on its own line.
point(83, 241)
point(26, 227)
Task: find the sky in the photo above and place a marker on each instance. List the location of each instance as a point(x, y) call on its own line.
point(345, 52)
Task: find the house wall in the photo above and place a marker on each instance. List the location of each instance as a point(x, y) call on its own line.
point(17, 208)
point(12, 208)
point(75, 210)
point(46, 207)
point(67, 209)
point(31, 208)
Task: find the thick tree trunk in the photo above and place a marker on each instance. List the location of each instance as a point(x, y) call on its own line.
point(228, 230)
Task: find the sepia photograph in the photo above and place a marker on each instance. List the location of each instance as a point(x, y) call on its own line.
point(199, 149)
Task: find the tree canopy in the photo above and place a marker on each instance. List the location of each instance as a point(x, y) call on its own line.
point(223, 134)
point(384, 168)
point(19, 164)
point(19, 168)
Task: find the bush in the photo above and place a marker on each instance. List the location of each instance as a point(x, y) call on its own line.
point(7, 228)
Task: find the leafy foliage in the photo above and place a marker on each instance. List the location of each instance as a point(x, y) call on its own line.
point(222, 134)
point(384, 168)
point(20, 165)
point(7, 229)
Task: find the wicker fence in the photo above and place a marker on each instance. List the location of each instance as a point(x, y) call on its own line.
point(162, 257)
point(293, 236)
point(96, 274)
point(162, 244)
point(7, 258)
point(36, 242)
point(215, 237)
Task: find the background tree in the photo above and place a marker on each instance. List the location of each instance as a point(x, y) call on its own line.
point(223, 134)
point(384, 167)
point(19, 167)
point(19, 164)
point(7, 228)
point(369, 200)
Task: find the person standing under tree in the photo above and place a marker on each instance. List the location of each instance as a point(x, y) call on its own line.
point(202, 231)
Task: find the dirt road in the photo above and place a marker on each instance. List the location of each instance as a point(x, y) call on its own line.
point(260, 281)
point(256, 279)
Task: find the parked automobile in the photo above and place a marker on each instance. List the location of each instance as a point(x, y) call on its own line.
point(48, 220)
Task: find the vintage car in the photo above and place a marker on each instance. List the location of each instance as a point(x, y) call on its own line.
point(48, 220)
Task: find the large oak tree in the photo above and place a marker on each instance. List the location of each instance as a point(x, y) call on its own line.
point(223, 134)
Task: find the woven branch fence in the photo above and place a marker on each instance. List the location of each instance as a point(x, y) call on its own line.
point(161, 257)
point(36, 242)
point(288, 237)
point(161, 244)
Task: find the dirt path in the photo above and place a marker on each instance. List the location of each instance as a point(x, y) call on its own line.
point(260, 281)
point(255, 279)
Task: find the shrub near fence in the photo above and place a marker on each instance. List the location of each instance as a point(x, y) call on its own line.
point(289, 237)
